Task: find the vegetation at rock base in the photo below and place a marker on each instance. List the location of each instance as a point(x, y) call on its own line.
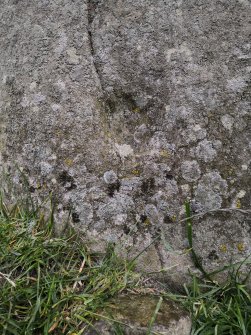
point(218, 309)
point(52, 285)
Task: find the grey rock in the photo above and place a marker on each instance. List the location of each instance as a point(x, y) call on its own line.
point(132, 314)
point(125, 110)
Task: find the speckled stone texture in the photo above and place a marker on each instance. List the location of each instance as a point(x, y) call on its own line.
point(124, 109)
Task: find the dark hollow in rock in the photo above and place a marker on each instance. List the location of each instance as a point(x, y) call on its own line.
point(169, 176)
point(213, 255)
point(75, 217)
point(126, 230)
point(112, 188)
point(67, 181)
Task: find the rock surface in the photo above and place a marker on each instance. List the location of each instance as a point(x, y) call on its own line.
point(125, 109)
point(134, 313)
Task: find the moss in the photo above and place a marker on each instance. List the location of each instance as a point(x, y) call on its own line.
point(140, 309)
point(223, 248)
point(165, 153)
point(68, 162)
point(145, 220)
point(238, 203)
point(136, 172)
point(240, 247)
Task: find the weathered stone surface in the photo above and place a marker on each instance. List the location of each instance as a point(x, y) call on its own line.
point(125, 109)
point(134, 314)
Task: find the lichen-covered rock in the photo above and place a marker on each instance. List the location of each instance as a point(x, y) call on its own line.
point(125, 109)
point(133, 315)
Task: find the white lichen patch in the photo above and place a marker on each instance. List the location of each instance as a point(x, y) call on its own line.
point(62, 43)
point(210, 190)
point(140, 133)
point(182, 113)
point(54, 181)
point(185, 189)
point(152, 213)
point(193, 133)
point(118, 204)
point(4, 79)
point(45, 168)
point(244, 167)
point(33, 86)
point(38, 98)
point(183, 49)
point(110, 177)
point(120, 219)
point(236, 84)
point(85, 213)
point(205, 150)
point(236, 203)
point(190, 170)
point(72, 57)
point(25, 101)
point(244, 2)
point(124, 150)
point(61, 85)
point(160, 146)
point(167, 109)
point(199, 132)
point(241, 194)
point(227, 122)
point(55, 107)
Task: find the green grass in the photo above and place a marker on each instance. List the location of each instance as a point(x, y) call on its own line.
point(217, 308)
point(55, 286)
point(48, 284)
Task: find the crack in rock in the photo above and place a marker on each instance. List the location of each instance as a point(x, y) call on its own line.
point(91, 9)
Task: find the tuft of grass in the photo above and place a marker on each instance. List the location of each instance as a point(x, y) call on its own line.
point(216, 308)
point(51, 285)
point(154, 316)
